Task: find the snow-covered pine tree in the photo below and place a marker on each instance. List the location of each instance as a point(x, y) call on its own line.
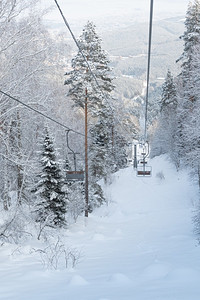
point(191, 127)
point(101, 149)
point(120, 151)
point(96, 196)
point(51, 198)
point(169, 94)
point(188, 94)
point(101, 158)
point(164, 140)
point(98, 150)
point(190, 37)
point(80, 79)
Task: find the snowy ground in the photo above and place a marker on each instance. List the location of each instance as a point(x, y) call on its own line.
point(139, 247)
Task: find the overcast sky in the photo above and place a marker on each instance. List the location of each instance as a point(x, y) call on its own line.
point(93, 9)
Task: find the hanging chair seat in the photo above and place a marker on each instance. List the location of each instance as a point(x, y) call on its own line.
point(144, 171)
point(75, 175)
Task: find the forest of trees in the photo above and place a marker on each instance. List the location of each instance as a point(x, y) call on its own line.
point(41, 79)
point(40, 71)
point(178, 127)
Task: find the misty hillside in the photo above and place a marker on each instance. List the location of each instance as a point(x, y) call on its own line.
point(126, 42)
point(128, 47)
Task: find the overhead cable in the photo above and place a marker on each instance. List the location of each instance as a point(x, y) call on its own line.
point(39, 112)
point(148, 70)
point(77, 44)
point(85, 59)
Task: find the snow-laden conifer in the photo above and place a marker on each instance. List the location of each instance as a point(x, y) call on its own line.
point(81, 84)
point(190, 37)
point(165, 135)
point(169, 94)
point(51, 198)
point(80, 78)
point(188, 94)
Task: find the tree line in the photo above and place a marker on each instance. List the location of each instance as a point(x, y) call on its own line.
point(178, 129)
point(33, 151)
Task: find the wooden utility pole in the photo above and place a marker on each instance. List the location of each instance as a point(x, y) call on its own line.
point(86, 154)
point(112, 128)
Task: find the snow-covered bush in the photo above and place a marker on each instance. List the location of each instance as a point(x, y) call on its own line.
point(17, 225)
point(160, 175)
point(58, 256)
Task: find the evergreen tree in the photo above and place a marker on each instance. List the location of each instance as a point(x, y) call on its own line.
point(191, 126)
point(188, 93)
point(101, 160)
point(101, 156)
point(119, 150)
point(191, 39)
point(169, 94)
point(191, 137)
point(191, 34)
point(96, 198)
point(52, 202)
point(82, 82)
point(81, 78)
point(164, 140)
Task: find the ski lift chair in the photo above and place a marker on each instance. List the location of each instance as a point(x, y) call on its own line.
point(75, 175)
point(144, 170)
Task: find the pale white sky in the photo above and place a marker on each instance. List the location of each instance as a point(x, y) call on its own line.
point(93, 9)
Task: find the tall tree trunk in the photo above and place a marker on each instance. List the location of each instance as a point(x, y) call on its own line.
point(6, 179)
point(6, 197)
point(198, 171)
point(19, 166)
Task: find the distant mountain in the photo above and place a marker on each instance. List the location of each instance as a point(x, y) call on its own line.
point(126, 42)
point(128, 46)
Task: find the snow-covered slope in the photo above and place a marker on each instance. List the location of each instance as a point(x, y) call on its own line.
point(140, 246)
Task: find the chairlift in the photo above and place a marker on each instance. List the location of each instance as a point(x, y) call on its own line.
point(142, 168)
point(73, 175)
